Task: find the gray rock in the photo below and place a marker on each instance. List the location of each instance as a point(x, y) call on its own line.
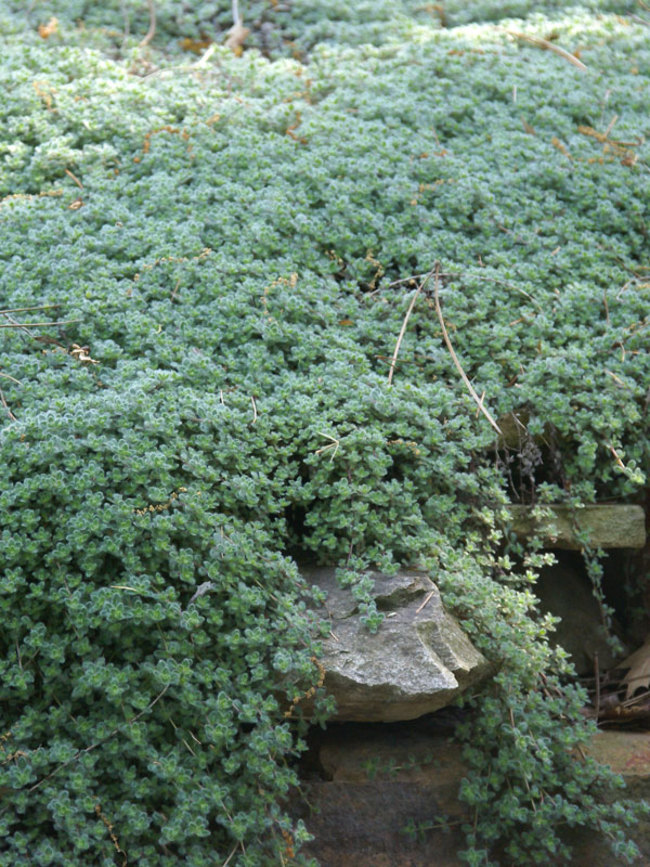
point(419, 660)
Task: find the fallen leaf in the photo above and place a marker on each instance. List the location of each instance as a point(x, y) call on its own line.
point(638, 677)
point(46, 30)
point(81, 354)
point(196, 46)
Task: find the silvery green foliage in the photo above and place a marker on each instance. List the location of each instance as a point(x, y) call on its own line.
point(227, 239)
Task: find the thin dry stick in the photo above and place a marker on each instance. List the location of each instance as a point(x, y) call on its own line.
point(429, 597)
point(415, 277)
point(22, 309)
point(454, 357)
point(74, 178)
point(100, 742)
point(37, 324)
point(229, 858)
point(5, 404)
point(151, 32)
point(404, 324)
point(549, 46)
point(203, 59)
point(6, 376)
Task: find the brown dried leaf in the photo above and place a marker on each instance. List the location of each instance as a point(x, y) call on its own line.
point(196, 46)
point(638, 677)
point(46, 30)
point(81, 354)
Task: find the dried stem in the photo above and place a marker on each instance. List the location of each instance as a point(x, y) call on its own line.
point(6, 405)
point(229, 858)
point(74, 178)
point(549, 46)
point(100, 742)
point(428, 599)
point(6, 376)
point(23, 309)
point(151, 32)
point(405, 323)
point(454, 357)
point(597, 676)
point(37, 324)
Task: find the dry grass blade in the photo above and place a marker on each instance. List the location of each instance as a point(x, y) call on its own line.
point(454, 357)
point(393, 360)
point(549, 46)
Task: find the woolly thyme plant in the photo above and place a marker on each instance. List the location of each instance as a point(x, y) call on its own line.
point(225, 249)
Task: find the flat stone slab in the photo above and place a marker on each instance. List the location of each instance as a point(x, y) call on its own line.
point(375, 781)
point(420, 659)
point(626, 753)
point(608, 526)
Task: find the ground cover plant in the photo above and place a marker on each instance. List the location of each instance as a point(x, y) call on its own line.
point(227, 246)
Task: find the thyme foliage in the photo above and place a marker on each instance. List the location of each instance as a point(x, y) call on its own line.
point(228, 246)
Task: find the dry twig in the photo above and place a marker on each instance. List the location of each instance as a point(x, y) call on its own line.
point(428, 599)
point(23, 309)
point(454, 357)
point(405, 323)
point(549, 46)
point(151, 32)
point(3, 400)
point(101, 741)
point(37, 324)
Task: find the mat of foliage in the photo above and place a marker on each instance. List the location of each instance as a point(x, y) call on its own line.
point(222, 245)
